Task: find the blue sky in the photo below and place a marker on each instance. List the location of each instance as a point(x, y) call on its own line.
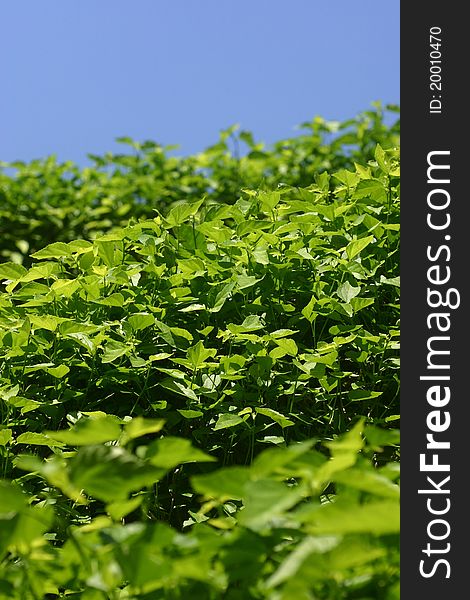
point(76, 74)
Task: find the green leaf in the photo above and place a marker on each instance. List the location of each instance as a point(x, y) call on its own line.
point(350, 443)
point(293, 562)
point(106, 251)
point(269, 200)
point(49, 322)
point(55, 250)
point(115, 299)
point(357, 246)
point(227, 420)
point(371, 188)
point(359, 395)
point(140, 426)
point(110, 473)
point(179, 388)
point(182, 212)
point(190, 414)
point(40, 271)
point(13, 271)
point(197, 355)
point(349, 178)
point(5, 436)
point(249, 226)
point(360, 303)
point(118, 510)
point(114, 350)
point(168, 452)
point(376, 517)
point(246, 281)
point(65, 288)
point(276, 416)
point(12, 499)
point(251, 323)
point(346, 291)
point(59, 371)
point(266, 500)
point(222, 484)
point(222, 295)
point(89, 430)
point(367, 480)
point(382, 159)
point(309, 312)
point(25, 530)
point(285, 346)
point(38, 439)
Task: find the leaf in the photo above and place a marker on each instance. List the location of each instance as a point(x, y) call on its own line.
point(198, 354)
point(357, 246)
point(368, 481)
point(190, 414)
point(118, 510)
point(139, 321)
point(110, 473)
point(49, 322)
point(115, 299)
point(179, 388)
point(106, 250)
point(285, 346)
point(182, 212)
point(222, 484)
point(59, 371)
point(114, 350)
point(12, 499)
point(277, 460)
point(80, 246)
point(295, 559)
point(65, 288)
point(377, 517)
point(349, 443)
point(360, 303)
point(359, 395)
point(13, 271)
point(246, 227)
point(246, 281)
point(227, 420)
point(140, 426)
point(55, 250)
point(371, 188)
point(346, 291)
point(266, 500)
point(40, 271)
point(382, 159)
point(251, 323)
point(168, 452)
point(89, 430)
point(38, 439)
point(390, 280)
point(24, 531)
point(5, 436)
point(349, 178)
point(309, 312)
point(222, 295)
point(269, 199)
point(54, 471)
point(279, 418)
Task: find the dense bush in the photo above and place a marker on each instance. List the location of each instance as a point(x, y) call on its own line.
point(43, 202)
point(201, 402)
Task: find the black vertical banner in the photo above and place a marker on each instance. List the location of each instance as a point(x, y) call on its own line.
point(435, 367)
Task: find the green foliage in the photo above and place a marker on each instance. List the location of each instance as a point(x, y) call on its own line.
point(42, 202)
point(197, 400)
point(259, 531)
